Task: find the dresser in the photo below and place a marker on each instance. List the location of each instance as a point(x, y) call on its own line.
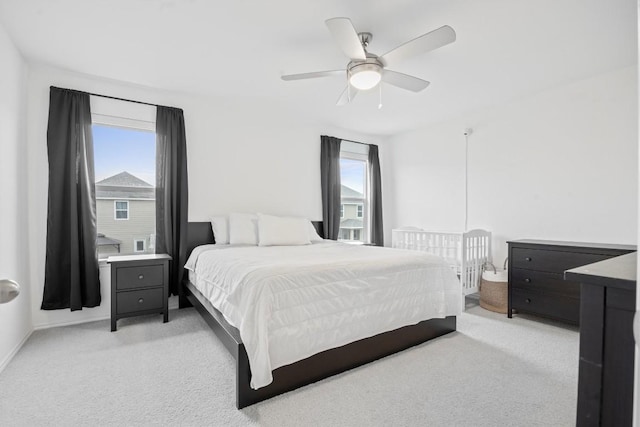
point(607, 346)
point(139, 286)
point(536, 275)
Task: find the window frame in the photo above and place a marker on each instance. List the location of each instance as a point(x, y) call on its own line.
point(115, 210)
point(129, 116)
point(363, 157)
point(135, 245)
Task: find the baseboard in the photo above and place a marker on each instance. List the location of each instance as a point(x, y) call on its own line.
point(173, 304)
point(15, 351)
point(70, 323)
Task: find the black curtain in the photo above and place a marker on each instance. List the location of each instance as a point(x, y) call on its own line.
point(71, 277)
point(377, 234)
point(330, 180)
point(171, 191)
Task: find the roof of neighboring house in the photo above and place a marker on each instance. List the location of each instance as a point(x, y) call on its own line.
point(124, 179)
point(351, 223)
point(350, 192)
point(124, 186)
point(103, 240)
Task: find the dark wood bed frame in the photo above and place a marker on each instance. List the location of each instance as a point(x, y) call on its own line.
point(311, 369)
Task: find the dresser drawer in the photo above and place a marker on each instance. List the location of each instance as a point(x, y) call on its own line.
point(146, 299)
point(550, 260)
point(139, 276)
point(555, 306)
point(541, 281)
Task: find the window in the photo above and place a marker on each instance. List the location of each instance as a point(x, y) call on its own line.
point(354, 193)
point(139, 245)
point(124, 142)
point(125, 167)
point(121, 209)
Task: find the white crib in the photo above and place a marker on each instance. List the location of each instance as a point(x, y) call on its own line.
point(465, 252)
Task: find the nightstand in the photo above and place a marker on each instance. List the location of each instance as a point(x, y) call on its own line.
point(139, 286)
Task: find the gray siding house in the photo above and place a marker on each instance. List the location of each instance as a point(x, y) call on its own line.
point(351, 214)
point(126, 207)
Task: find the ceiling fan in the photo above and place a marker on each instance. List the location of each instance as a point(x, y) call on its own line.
point(365, 70)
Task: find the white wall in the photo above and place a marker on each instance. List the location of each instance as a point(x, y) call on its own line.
point(249, 155)
point(244, 154)
point(559, 165)
point(15, 317)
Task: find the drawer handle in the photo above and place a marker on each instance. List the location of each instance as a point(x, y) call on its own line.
point(528, 300)
point(140, 277)
point(141, 300)
point(527, 259)
point(527, 280)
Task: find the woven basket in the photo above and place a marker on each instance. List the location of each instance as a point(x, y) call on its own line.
point(493, 296)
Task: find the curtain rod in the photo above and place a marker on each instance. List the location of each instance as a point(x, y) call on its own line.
point(117, 98)
point(356, 142)
point(123, 99)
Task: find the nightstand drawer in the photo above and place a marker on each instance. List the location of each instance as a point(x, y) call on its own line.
point(541, 281)
point(558, 307)
point(139, 276)
point(146, 299)
point(551, 261)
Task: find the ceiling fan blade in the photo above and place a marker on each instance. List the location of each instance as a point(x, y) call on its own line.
point(404, 81)
point(347, 37)
point(313, 75)
point(347, 96)
point(425, 43)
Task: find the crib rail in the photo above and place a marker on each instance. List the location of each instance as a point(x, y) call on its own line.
point(466, 252)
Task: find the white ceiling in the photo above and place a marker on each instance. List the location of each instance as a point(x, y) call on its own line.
point(505, 49)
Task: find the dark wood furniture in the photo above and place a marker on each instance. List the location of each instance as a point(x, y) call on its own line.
point(311, 369)
point(139, 285)
point(536, 281)
point(608, 304)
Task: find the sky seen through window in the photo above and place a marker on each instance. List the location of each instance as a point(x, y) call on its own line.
point(352, 174)
point(117, 150)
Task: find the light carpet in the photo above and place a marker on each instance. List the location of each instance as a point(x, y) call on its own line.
point(493, 371)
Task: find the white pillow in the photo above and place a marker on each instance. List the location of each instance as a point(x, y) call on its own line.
point(282, 231)
point(220, 227)
point(313, 234)
point(243, 229)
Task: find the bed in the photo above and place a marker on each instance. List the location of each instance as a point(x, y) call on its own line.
point(283, 374)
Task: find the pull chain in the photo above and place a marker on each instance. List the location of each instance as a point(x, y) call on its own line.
point(380, 96)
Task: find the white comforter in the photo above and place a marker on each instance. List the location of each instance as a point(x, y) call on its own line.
point(290, 302)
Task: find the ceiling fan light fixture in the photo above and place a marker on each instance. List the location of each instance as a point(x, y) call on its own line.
point(365, 76)
point(366, 70)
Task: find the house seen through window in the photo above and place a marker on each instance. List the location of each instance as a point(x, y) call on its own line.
point(354, 199)
point(125, 160)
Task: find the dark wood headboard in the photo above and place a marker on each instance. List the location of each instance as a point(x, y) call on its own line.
point(200, 233)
